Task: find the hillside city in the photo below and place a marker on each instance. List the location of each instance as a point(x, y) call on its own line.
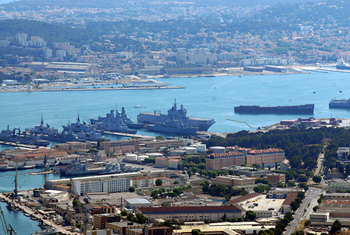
point(289, 178)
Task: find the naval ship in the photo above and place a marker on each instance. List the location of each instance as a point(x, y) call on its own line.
point(343, 65)
point(174, 113)
point(291, 109)
point(340, 103)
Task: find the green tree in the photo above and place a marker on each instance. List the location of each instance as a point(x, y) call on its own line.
point(159, 137)
point(250, 215)
point(124, 213)
point(294, 205)
point(317, 179)
point(159, 182)
point(336, 227)
point(132, 189)
point(302, 178)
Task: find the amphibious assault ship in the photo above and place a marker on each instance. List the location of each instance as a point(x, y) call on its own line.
point(292, 109)
point(202, 124)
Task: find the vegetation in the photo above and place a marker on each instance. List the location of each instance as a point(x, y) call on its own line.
point(222, 190)
point(132, 189)
point(159, 182)
point(296, 203)
point(280, 226)
point(162, 193)
point(336, 227)
point(317, 179)
point(250, 215)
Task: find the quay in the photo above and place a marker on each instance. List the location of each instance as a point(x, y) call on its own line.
point(34, 216)
point(129, 135)
point(18, 145)
point(41, 172)
point(109, 88)
point(335, 70)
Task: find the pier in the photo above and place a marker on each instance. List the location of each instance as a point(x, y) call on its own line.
point(18, 145)
point(129, 135)
point(33, 214)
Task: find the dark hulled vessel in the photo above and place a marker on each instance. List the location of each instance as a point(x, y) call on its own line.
point(202, 124)
point(339, 104)
point(292, 109)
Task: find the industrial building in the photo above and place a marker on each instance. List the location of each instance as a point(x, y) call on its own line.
point(190, 213)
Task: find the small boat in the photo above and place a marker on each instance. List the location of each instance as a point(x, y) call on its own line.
point(26, 214)
point(340, 91)
point(137, 106)
point(240, 75)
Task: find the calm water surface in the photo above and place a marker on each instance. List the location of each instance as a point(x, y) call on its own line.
point(212, 97)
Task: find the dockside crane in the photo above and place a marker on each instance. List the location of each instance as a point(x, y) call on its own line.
point(7, 228)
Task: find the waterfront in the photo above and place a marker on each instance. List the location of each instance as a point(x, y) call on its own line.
point(207, 97)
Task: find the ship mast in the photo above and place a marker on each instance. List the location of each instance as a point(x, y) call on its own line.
point(16, 182)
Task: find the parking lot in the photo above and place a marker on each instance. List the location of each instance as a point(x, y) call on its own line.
point(263, 203)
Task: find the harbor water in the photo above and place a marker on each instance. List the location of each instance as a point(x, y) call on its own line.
point(207, 97)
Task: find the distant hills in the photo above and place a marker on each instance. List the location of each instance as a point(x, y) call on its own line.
point(50, 32)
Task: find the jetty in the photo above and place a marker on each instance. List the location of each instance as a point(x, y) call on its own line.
point(106, 88)
point(18, 145)
point(34, 216)
point(129, 135)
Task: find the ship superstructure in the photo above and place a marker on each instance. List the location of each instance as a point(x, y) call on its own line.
point(174, 113)
point(340, 103)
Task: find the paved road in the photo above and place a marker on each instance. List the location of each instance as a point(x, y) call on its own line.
point(311, 195)
point(320, 161)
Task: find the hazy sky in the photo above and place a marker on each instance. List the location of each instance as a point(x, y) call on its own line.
point(5, 1)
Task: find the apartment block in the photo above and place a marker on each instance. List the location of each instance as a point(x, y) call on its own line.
point(217, 161)
point(265, 157)
point(233, 180)
point(275, 178)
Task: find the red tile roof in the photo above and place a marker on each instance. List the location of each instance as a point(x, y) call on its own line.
point(189, 209)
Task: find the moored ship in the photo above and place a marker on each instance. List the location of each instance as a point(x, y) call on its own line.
point(284, 109)
point(202, 124)
point(340, 103)
point(343, 65)
point(149, 83)
point(172, 126)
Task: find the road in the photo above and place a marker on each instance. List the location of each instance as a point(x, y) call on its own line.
point(311, 196)
point(320, 161)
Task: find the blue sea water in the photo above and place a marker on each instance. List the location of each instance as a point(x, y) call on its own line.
point(207, 97)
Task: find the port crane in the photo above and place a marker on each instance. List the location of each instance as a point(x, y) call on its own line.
point(7, 228)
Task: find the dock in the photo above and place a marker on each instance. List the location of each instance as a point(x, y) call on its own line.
point(109, 88)
point(34, 216)
point(129, 135)
point(18, 145)
point(335, 70)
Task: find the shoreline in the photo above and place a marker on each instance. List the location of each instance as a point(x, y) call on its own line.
point(33, 216)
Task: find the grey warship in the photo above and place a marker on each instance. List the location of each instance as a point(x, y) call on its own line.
point(118, 122)
point(174, 113)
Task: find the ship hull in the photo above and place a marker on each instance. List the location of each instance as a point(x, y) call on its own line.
point(151, 118)
point(296, 109)
point(339, 104)
point(185, 131)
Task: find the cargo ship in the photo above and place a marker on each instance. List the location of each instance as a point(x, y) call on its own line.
point(292, 109)
point(176, 114)
point(340, 104)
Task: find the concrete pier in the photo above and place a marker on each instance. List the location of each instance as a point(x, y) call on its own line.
point(37, 216)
